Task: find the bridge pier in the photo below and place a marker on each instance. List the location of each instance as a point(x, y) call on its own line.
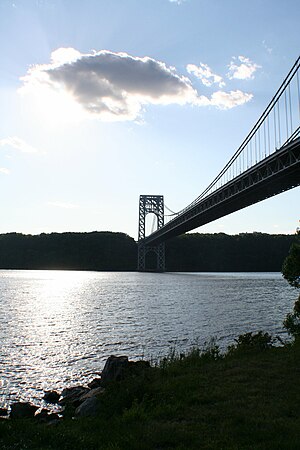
point(150, 204)
point(159, 250)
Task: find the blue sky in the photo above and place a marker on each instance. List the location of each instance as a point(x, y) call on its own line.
point(102, 101)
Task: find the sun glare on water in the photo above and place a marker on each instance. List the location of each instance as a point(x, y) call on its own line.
point(56, 288)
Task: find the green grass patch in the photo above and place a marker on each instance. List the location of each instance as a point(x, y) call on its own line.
point(248, 399)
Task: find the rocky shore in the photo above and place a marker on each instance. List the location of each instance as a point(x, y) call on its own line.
point(77, 401)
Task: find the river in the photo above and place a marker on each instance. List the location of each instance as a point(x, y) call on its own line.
point(57, 328)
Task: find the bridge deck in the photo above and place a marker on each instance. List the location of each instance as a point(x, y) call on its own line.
point(276, 173)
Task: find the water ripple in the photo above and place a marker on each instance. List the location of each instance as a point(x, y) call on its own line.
point(58, 327)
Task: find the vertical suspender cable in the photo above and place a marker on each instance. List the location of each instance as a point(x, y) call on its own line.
point(279, 128)
point(291, 115)
point(275, 128)
point(269, 146)
point(255, 144)
point(286, 116)
point(298, 89)
point(265, 139)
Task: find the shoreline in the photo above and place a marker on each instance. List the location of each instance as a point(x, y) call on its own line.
point(183, 398)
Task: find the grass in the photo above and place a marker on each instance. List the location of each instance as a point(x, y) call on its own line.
point(248, 399)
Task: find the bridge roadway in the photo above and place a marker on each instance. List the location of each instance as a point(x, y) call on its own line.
point(276, 173)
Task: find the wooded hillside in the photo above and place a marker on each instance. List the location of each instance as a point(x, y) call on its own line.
point(118, 251)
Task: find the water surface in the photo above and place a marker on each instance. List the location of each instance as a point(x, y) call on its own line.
point(58, 327)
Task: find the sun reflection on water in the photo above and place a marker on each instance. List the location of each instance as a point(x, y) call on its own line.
point(57, 328)
point(46, 327)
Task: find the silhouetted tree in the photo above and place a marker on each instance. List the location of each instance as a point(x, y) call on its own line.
point(246, 252)
point(291, 265)
point(291, 272)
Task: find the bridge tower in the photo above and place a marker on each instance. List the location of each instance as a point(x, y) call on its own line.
point(150, 204)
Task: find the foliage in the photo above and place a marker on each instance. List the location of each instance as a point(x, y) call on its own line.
point(219, 252)
point(218, 403)
point(291, 272)
point(116, 251)
point(291, 266)
point(251, 342)
point(74, 251)
point(210, 352)
point(292, 321)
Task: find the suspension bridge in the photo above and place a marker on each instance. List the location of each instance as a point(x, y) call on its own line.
point(266, 164)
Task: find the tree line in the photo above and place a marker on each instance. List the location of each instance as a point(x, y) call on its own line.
point(220, 252)
point(110, 251)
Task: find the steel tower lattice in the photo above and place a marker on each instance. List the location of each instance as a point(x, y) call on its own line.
point(150, 204)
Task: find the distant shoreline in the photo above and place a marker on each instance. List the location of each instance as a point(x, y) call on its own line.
point(117, 252)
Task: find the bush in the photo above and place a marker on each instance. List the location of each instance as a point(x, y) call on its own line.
point(210, 351)
point(291, 266)
point(250, 342)
point(291, 272)
point(292, 320)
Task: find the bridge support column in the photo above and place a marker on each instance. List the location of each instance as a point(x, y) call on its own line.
point(150, 204)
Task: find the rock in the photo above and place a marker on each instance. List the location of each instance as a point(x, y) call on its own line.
point(114, 369)
point(138, 366)
point(3, 412)
point(72, 395)
point(118, 367)
point(22, 410)
point(42, 415)
point(92, 393)
point(51, 397)
point(96, 382)
point(88, 408)
point(45, 416)
point(52, 419)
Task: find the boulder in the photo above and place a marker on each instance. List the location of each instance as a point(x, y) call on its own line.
point(51, 397)
point(22, 410)
point(45, 416)
point(92, 393)
point(114, 369)
point(3, 412)
point(42, 415)
point(72, 395)
point(138, 366)
point(53, 419)
point(88, 408)
point(96, 382)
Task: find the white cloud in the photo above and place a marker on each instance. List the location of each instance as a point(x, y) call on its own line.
point(205, 74)
point(242, 68)
point(225, 100)
point(112, 86)
point(179, 2)
point(117, 86)
point(64, 55)
point(4, 170)
point(228, 100)
point(17, 144)
point(63, 205)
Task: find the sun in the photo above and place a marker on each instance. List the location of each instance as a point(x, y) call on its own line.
point(53, 108)
point(48, 102)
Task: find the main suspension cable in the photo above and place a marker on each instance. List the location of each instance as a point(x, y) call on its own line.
point(170, 210)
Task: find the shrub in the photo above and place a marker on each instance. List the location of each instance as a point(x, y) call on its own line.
point(291, 272)
point(210, 351)
point(292, 320)
point(291, 266)
point(249, 342)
